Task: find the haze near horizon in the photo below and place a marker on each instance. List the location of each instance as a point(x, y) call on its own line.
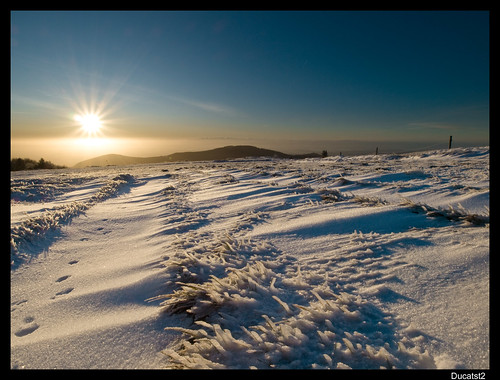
point(139, 83)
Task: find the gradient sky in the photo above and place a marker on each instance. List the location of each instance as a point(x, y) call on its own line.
point(295, 81)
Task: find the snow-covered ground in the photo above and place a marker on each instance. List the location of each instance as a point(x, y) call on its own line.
point(343, 262)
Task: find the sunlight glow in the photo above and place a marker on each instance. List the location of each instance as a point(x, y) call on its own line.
point(94, 145)
point(90, 123)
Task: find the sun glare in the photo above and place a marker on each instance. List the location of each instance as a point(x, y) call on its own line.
point(90, 123)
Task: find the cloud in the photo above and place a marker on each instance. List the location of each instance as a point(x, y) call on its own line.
point(205, 106)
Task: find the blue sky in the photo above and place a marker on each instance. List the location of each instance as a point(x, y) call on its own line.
point(294, 81)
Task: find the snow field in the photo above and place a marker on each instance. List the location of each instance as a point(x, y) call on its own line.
point(345, 262)
point(82, 303)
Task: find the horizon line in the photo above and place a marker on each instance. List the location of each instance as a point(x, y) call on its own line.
point(347, 152)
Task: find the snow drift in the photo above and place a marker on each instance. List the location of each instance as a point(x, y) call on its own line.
point(342, 262)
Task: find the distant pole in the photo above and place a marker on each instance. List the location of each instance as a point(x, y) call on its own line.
point(376, 151)
point(449, 144)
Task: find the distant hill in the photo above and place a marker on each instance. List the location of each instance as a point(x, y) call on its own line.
point(224, 153)
point(115, 159)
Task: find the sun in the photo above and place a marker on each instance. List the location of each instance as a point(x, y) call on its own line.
point(90, 123)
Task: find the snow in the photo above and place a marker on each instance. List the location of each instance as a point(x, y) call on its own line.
point(361, 262)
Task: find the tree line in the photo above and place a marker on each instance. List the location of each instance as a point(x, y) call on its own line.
point(29, 164)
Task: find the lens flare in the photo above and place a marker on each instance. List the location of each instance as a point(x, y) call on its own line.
point(90, 124)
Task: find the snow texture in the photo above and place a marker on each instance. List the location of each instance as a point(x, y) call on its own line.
point(365, 262)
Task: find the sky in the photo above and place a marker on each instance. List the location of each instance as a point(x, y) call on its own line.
point(296, 81)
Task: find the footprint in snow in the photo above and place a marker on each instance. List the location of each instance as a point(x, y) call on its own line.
point(62, 292)
point(65, 291)
point(17, 303)
point(62, 278)
point(72, 262)
point(31, 327)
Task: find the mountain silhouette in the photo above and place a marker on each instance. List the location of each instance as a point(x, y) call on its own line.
point(224, 153)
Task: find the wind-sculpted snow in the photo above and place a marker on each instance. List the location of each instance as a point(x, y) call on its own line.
point(43, 190)
point(362, 262)
point(33, 229)
point(253, 306)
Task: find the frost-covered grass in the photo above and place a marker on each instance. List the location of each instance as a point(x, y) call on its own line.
point(252, 316)
point(342, 262)
point(453, 213)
